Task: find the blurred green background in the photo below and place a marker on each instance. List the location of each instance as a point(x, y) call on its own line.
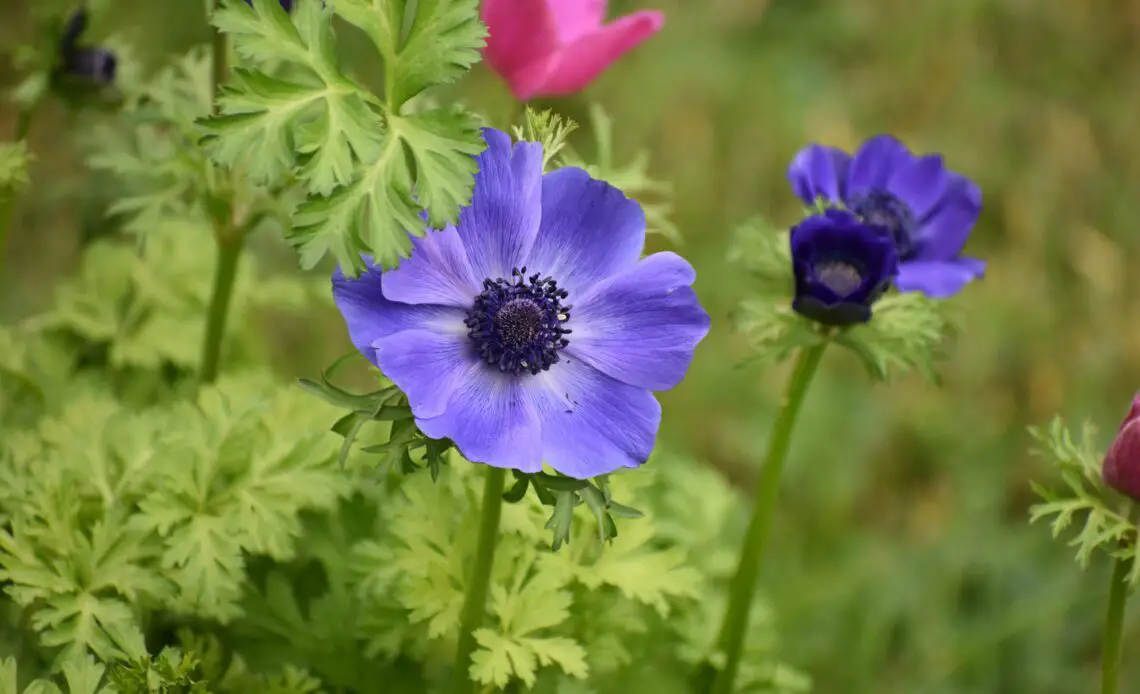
point(902, 561)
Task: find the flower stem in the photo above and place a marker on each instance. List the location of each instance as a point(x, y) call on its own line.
point(229, 252)
point(743, 587)
point(515, 110)
point(220, 61)
point(1114, 618)
point(23, 123)
point(8, 198)
point(475, 600)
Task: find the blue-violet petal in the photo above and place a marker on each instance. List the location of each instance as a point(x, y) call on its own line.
point(642, 326)
point(589, 231)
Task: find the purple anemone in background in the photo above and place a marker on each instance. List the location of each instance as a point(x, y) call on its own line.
point(842, 265)
point(532, 331)
point(928, 210)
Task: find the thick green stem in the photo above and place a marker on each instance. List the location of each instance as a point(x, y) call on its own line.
point(1113, 646)
point(743, 588)
point(230, 244)
point(475, 599)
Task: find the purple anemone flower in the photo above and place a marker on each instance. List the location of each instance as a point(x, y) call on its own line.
point(842, 266)
point(532, 331)
point(927, 209)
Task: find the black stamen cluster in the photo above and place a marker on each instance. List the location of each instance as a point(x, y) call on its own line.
point(518, 324)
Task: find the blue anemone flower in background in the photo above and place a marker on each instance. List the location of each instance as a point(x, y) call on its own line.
point(532, 330)
point(842, 265)
point(928, 210)
point(88, 64)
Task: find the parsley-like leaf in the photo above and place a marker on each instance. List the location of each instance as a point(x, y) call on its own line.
point(442, 43)
point(369, 167)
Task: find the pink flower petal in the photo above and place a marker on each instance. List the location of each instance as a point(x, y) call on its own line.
point(576, 18)
point(584, 60)
point(523, 37)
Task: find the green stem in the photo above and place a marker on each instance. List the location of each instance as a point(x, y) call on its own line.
point(743, 588)
point(517, 108)
point(8, 198)
point(230, 245)
point(1113, 645)
point(23, 123)
point(220, 62)
point(475, 600)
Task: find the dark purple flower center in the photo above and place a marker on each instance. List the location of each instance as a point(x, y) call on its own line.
point(839, 276)
point(883, 209)
point(519, 324)
point(95, 64)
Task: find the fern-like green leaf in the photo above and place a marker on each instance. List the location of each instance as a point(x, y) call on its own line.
point(243, 468)
point(1084, 499)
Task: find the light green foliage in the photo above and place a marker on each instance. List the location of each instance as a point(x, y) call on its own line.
point(905, 333)
point(147, 302)
point(550, 130)
point(33, 371)
point(14, 160)
point(1084, 498)
point(81, 675)
point(113, 511)
point(369, 167)
point(154, 156)
point(198, 668)
point(589, 612)
point(632, 178)
point(237, 484)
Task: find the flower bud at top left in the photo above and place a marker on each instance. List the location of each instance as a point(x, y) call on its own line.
point(84, 63)
point(1122, 463)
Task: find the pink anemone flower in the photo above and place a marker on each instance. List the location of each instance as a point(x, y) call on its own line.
point(557, 47)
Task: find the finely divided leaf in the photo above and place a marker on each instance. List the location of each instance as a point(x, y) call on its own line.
point(14, 160)
point(243, 463)
point(905, 333)
point(1085, 499)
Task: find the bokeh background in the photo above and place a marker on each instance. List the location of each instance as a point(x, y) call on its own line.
point(903, 562)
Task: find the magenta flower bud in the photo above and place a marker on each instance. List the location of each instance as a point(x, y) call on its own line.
point(1122, 463)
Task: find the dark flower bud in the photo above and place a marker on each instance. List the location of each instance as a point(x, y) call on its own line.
point(842, 265)
point(76, 25)
point(286, 5)
point(96, 65)
point(1122, 463)
point(83, 66)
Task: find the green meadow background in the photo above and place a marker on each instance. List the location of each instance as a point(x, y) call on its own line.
point(902, 560)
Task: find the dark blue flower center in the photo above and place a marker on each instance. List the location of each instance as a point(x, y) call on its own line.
point(883, 209)
point(839, 276)
point(519, 324)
